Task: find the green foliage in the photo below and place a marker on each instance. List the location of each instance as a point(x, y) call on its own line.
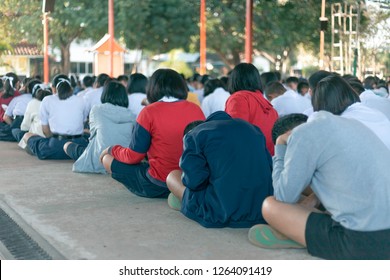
point(178, 65)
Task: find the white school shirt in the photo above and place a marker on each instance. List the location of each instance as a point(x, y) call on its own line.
point(373, 119)
point(63, 116)
point(92, 98)
point(135, 100)
point(82, 93)
point(215, 101)
point(18, 105)
point(290, 102)
point(370, 99)
point(31, 121)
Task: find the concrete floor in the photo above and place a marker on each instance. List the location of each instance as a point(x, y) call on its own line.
point(88, 216)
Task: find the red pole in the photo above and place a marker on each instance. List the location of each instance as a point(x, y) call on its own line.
point(202, 51)
point(248, 31)
point(45, 48)
point(111, 33)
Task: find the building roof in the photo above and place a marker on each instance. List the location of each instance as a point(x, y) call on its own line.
point(104, 45)
point(25, 49)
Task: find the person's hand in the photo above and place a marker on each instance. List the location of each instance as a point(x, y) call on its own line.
point(105, 152)
point(282, 139)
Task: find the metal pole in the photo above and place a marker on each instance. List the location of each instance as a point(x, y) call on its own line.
point(111, 33)
point(248, 31)
point(202, 50)
point(322, 37)
point(45, 48)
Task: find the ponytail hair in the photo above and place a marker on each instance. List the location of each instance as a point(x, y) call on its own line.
point(64, 89)
point(10, 81)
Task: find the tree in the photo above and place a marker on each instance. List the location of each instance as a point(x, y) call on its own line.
point(70, 20)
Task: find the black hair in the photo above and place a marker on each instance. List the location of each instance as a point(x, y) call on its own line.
point(211, 85)
point(204, 79)
point(115, 93)
point(292, 79)
point(355, 83)
point(101, 79)
point(286, 123)
point(301, 85)
point(274, 87)
point(191, 126)
point(9, 83)
point(268, 77)
point(333, 94)
point(137, 83)
point(64, 89)
point(40, 94)
point(166, 82)
point(316, 77)
point(224, 80)
point(370, 82)
point(88, 81)
point(58, 78)
point(123, 78)
point(278, 75)
point(31, 84)
point(244, 76)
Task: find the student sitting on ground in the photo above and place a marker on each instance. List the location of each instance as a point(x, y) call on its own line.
point(157, 134)
point(111, 123)
point(10, 90)
point(31, 121)
point(62, 117)
point(226, 173)
point(247, 101)
point(340, 158)
point(16, 109)
point(335, 95)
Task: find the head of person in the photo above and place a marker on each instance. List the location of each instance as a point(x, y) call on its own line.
point(333, 94)
point(42, 93)
point(11, 84)
point(273, 90)
point(316, 77)
point(123, 79)
point(211, 85)
point(292, 82)
point(38, 88)
point(101, 80)
point(137, 83)
point(287, 123)
point(268, 77)
point(166, 83)
point(31, 84)
point(303, 87)
point(355, 83)
point(64, 89)
point(56, 80)
point(1, 87)
point(23, 85)
point(191, 126)
point(224, 80)
point(370, 82)
point(244, 76)
point(88, 81)
point(115, 93)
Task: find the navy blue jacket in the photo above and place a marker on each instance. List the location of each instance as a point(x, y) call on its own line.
point(227, 170)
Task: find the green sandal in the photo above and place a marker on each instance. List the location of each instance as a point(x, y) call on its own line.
point(266, 237)
point(174, 202)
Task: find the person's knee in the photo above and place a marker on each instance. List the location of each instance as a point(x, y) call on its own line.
point(172, 179)
point(107, 161)
point(66, 145)
point(267, 208)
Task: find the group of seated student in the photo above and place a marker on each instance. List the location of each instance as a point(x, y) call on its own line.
point(317, 180)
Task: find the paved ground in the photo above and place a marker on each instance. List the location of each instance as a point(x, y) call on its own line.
point(87, 216)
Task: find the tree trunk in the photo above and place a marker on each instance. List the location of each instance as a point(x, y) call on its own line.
point(65, 58)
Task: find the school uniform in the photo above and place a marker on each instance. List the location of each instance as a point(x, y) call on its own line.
point(135, 100)
point(92, 98)
point(66, 121)
point(215, 101)
point(157, 134)
point(227, 173)
point(290, 102)
point(255, 109)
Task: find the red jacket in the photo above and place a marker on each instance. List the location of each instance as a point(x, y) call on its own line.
point(254, 108)
point(6, 101)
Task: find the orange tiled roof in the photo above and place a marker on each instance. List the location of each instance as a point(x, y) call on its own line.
point(25, 49)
